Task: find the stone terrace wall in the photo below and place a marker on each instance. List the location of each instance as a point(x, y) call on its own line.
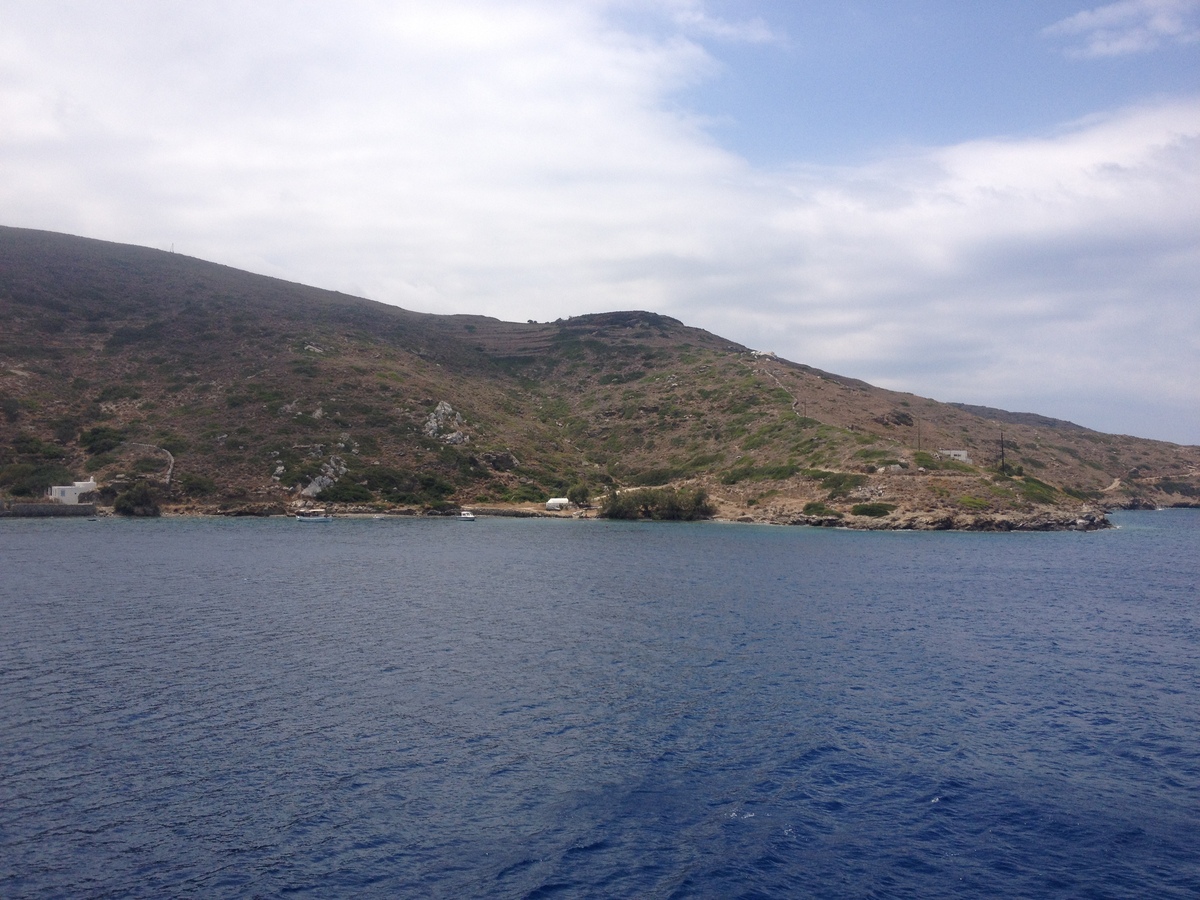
point(44, 510)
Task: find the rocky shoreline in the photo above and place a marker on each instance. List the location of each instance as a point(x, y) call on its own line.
point(1090, 519)
point(939, 520)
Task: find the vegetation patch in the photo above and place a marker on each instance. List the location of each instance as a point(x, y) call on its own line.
point(96, 463)
point(664, 504)
point(127, 335)
point(29, 479)
point(1036, 491)
point(818, 508)
point(10, 408)
point(1178, 487)
point(101, 439)
point(138, 501)
point(147, 464)
point(196, 485)
point(935, 463)
point(527, 493)
point(780, 430)
point(839, 484)
point(872, 510)
point(346, 492)
point(402, 486)
point(117, 392)
point(30, 446)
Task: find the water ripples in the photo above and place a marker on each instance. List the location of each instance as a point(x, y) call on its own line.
point(536, 709)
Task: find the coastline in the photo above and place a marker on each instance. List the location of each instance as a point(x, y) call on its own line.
point(1084, 519)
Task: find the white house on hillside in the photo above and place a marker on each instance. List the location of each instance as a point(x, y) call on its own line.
point(69, 494)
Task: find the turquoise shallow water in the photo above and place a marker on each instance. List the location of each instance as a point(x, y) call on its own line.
point(536, 708)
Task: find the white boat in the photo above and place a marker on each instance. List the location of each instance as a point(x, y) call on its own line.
point(466, 515)
point(313, 515)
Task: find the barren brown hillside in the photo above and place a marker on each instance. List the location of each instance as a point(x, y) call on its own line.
point(234, 392)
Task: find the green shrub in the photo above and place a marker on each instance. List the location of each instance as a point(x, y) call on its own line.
point(117, 392)
point(174, 444)
point(1170, 486)
point(101, 439)
point(137, 501)
point(932, 463)
point(196, 485)
point(840, 484)
point(28, 445)
point(818, 508)
point(1036, 491)
point(973, 503)
point(874, 510)
point(400, 486)
point(96, 463)
point(527, 493)
point(346, 492)
point(669, 504)
point(32, 479)
point(147, 464)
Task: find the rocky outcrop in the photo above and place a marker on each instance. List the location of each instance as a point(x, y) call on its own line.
point(445, 425)
point(330, 473)
point(895, 417)
point(260, 510)
point(1040, 519)
point(500, 460)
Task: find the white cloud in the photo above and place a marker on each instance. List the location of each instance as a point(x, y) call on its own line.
point(525, 159)
point(1127, 27)
point(692, 17)
point(1022, 272)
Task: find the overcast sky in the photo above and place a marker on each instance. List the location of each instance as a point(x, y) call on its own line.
point(988, 202)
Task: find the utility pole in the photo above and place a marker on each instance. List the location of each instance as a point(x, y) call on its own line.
point(1002, 467)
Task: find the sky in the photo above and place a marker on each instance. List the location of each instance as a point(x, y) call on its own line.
point(991, 203)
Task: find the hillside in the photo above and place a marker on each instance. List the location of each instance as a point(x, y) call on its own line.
point(232, 392)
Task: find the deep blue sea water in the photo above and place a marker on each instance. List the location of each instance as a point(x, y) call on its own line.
point(516, 708)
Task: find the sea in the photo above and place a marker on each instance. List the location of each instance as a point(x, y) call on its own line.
point(422, 707)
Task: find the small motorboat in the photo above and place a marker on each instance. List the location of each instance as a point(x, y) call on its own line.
point(465, 515)
point(313, 515)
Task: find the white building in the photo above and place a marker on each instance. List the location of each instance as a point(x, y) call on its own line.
point(69, 494)
point(961, 455)
point(557, 503)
